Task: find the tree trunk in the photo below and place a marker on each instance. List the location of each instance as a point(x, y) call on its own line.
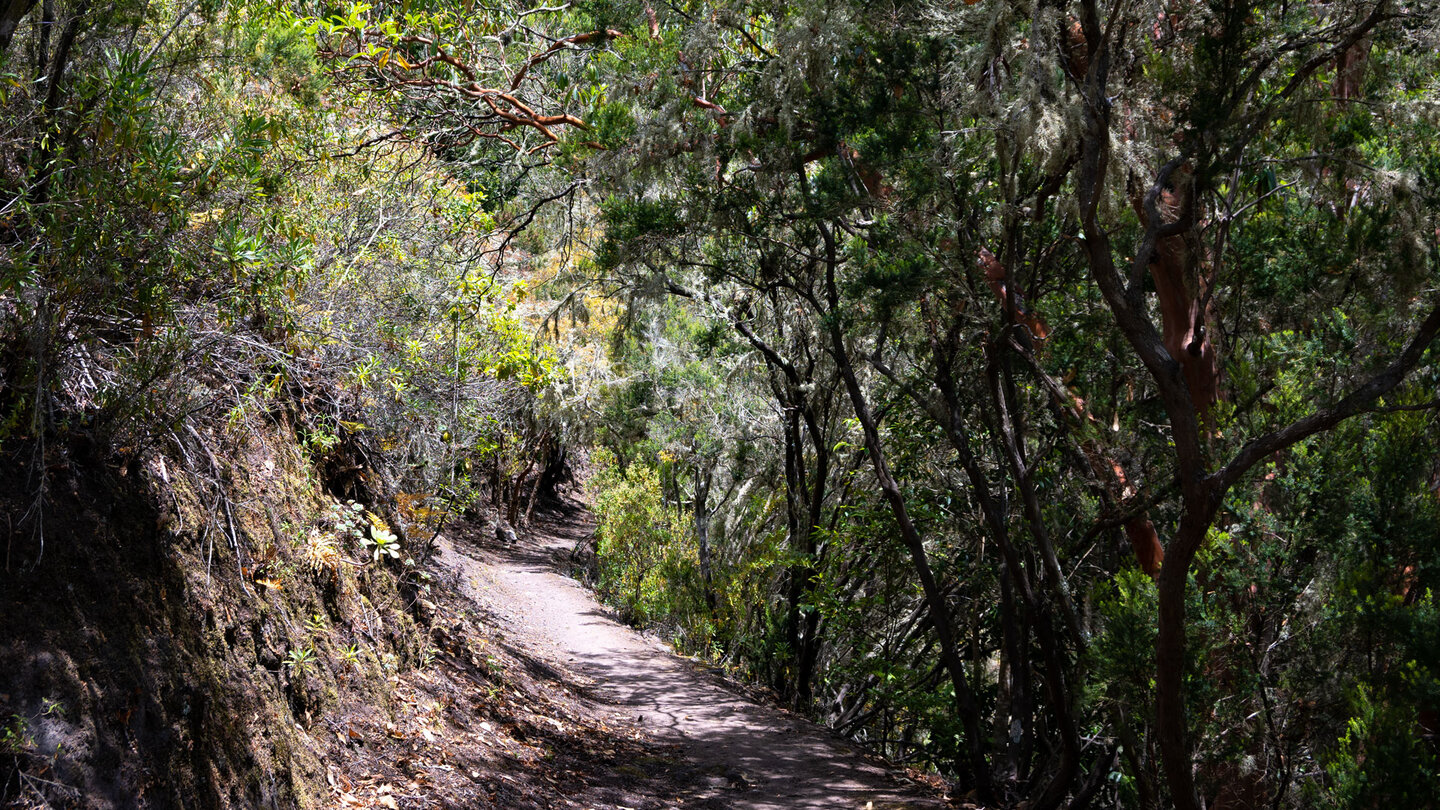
point(42, 45)
point(795, 573)
point(1015, 721)
point(1058, 693)
point(968, 708)
point(1170, 722)
point(11, 13)
point(42, 166)
point(702, 535)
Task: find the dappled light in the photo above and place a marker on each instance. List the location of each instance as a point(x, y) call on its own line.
point(713, 403)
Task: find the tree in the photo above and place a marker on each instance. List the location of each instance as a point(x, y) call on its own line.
point(990, 193)
point(1042, 291)
point(1249, 75)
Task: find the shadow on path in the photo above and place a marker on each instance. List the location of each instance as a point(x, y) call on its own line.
point(736, 753)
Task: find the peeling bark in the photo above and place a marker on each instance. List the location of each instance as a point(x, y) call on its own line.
point(1140, 531)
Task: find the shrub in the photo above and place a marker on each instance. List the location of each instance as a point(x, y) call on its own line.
point(649, 565)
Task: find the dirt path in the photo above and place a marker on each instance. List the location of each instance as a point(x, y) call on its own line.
point(735, 752)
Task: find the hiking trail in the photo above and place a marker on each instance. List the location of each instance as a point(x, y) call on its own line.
point(729, 750)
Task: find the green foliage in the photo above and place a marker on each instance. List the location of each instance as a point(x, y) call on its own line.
point(1122, 655)
point(319, 218)
point(800, 185)
point(382, 543)
point(301, 661)
point(347, 521)
point(648, 567)
point(15, 737)
point(1381, 759)
point(631, 224)
point(285, 54)
point(351, 655)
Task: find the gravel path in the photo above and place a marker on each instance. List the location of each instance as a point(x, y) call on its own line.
point(741, 754)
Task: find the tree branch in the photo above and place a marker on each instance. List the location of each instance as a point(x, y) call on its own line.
point(1354, 403)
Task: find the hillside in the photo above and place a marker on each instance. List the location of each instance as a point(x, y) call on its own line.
point(137, 680)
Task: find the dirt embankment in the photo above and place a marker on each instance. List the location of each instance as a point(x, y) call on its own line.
point(174, 632)
point(204, 634)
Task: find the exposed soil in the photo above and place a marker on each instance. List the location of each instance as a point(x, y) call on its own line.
point(144, 663)
point(138, 671)
point(703, 743)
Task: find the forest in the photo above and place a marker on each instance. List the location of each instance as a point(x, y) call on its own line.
point(1039, 393)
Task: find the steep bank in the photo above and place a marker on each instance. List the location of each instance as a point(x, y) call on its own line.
point(220, 640)
point(192, 621)
point(185, 642)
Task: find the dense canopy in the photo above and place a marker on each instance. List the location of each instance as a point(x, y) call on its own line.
point(1041, 393)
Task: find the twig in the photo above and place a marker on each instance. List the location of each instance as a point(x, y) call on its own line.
point(224, 502)
point(154, 49)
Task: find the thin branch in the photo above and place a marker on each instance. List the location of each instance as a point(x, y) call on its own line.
point(1356, 402)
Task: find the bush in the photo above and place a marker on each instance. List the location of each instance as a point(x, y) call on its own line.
point(649, 564)
point(1381, 759)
